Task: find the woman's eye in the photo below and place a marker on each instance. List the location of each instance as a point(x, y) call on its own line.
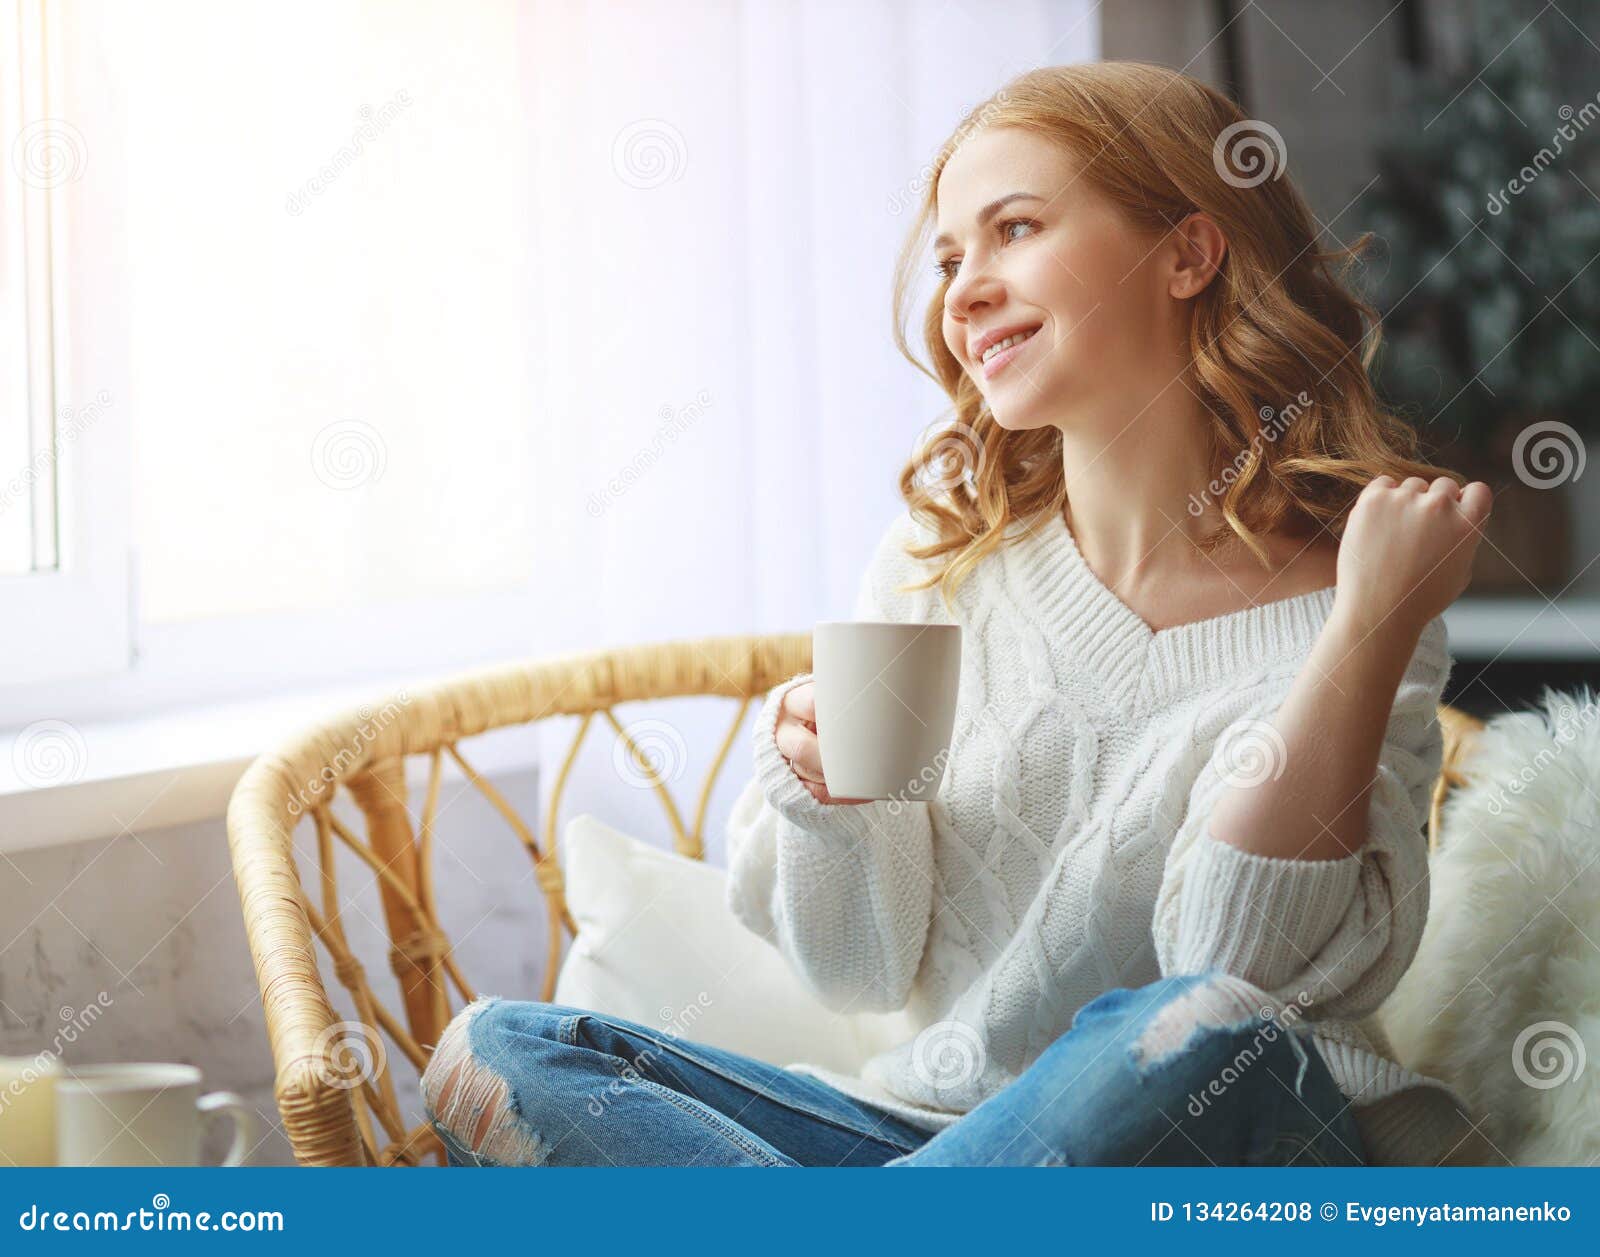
point(946, 269)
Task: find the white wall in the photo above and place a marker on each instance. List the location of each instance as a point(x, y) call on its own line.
point(152, 920)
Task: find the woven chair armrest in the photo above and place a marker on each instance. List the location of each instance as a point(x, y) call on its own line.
point(318, 1114)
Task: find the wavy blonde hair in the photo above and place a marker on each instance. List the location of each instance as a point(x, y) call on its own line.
point(1276, 323)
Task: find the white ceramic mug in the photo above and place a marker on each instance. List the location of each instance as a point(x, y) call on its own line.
point(886, 706)
point(142, 1114)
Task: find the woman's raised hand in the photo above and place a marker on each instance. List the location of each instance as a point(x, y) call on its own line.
point(796, 736)
point(1407, 550)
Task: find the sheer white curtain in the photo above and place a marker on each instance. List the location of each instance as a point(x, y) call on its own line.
point(720, 415)
point(442, 333)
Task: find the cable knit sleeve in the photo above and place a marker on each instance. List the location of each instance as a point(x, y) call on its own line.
point(845, 891)
point(1333, 936)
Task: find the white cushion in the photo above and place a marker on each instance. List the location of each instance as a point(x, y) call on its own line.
point(657, 944)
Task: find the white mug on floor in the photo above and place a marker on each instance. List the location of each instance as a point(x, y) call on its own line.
point(886, 706)
point(142, 1114)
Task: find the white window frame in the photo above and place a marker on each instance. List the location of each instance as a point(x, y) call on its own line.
point(239, 658)
point(72, 619)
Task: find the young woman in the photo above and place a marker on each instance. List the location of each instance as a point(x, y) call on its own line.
point(1178, 857)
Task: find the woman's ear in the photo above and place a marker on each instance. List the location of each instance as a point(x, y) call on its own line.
point(1201, 248)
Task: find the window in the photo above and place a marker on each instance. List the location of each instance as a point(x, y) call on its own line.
point(62, 563)
point(273, 295)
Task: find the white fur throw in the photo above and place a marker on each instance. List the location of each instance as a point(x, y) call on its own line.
point(1503, 999)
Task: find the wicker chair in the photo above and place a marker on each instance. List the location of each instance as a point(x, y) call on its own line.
point(335, 1093)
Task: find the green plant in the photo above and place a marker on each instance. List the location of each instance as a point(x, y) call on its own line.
point(1488, 233)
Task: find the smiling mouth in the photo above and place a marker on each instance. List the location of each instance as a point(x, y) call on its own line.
point(995, 358)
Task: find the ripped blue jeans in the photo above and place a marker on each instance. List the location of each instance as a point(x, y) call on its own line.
point(1183, 1071)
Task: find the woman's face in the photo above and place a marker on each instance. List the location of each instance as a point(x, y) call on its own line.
point(1063, 264)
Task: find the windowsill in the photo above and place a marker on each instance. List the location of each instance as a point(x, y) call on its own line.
point(1524, 628)
point(178, 767)
point(181, 766)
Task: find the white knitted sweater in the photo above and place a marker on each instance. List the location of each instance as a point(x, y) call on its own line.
point(1066, 851)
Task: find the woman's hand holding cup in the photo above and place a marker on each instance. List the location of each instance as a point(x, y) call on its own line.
point(796, 735)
